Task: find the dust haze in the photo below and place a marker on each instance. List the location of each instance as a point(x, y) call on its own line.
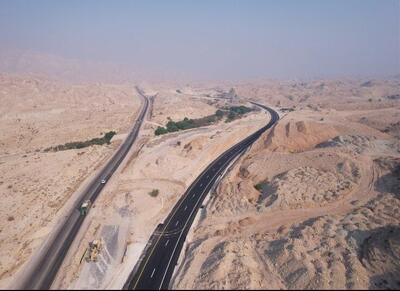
point(313, 203)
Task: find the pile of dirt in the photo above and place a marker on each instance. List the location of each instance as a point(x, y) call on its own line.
point(307, 187)
point(380, 253)
point(356, 143)
point(292, 135)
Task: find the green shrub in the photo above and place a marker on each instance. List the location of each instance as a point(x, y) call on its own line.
point(231, 116)
point(160, 130)
point(109, 135)
point(172, 126)
point(154, 192)
point(259, 187)
point(219, 113)
point(240, 109)
point(106, 139)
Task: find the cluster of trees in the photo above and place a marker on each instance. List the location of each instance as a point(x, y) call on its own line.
point(236, 111)
point(184, 124)
point(231, 113)
point(82, 144)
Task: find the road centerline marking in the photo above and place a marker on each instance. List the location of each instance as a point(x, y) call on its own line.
point(197, 202)
point(152, 274)
point(209, 167)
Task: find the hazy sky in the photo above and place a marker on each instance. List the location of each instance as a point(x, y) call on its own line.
point(213, 39)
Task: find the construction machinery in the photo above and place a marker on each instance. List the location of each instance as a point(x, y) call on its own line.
point(93, 251)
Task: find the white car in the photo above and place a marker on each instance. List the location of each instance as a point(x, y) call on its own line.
point(103, 181)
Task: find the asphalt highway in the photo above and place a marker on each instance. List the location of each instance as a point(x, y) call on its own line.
point(160, 257)
point(42, 274)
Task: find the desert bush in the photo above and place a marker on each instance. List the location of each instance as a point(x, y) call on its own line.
point(259, 187)
point(154, 192)
point(219, 113)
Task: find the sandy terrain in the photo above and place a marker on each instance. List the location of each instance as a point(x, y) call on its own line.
point(168, 163)
point(36, 114)
point(326, 212)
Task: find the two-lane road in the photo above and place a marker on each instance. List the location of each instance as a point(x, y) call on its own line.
point(44, 268)
point(156, 268)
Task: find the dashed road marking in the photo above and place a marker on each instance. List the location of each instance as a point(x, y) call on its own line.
point(167, 243)
point(152, 274)
point(176, 223)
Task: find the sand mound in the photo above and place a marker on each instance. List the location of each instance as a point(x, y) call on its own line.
point(230, 265)
point(381, 254)
point(357, 251)
point(356, 143)
point(298, 135)
point(390, 181)
point(393, 129)
point(235, 197)
point(307, 186)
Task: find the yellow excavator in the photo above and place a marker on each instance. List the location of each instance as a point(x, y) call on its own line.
point(93, 251)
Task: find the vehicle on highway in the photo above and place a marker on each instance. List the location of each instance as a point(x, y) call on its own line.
point(41, 273)
point(84, 209)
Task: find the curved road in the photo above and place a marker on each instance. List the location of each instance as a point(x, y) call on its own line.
point(45, 268)
point(155, 269)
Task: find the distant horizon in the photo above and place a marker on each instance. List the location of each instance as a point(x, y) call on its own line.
point(203, 41)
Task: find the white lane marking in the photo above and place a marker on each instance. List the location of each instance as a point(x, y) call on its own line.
point(176, 245)
point(176, 223)
point(180, 235)
point(185, 208)
point(194, 195)
point(167, 243)
point(152, 274)
point(201, 184)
